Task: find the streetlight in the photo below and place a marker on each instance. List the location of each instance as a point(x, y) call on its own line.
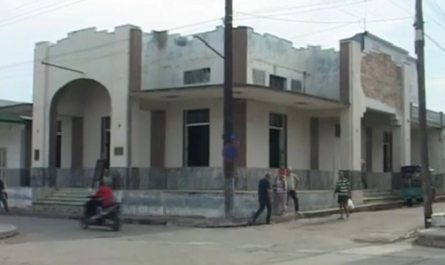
point(228, 136)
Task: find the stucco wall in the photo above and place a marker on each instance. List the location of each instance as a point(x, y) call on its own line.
point(164, 61)
point(100, 56)
point(316, 68)
point(12, 139)
point(436, 149)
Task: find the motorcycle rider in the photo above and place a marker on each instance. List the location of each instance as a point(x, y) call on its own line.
point(105, 193)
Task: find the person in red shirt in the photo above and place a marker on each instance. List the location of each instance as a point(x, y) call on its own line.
point(106, 194)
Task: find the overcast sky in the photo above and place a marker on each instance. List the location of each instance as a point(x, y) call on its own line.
point(305, 22)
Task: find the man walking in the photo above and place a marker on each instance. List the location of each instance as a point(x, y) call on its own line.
point(292, 182)
point(343, 192)
point(264, 199)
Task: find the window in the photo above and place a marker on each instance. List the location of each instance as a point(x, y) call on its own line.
point(277, 140)
point(197, 76)
point(277, 82)
point(105, 133)
point(259, 77)
point(276, 120)
point(59, 145)
point(296, 85)
point(387, 152)
point(337, 130)
point(196, 149)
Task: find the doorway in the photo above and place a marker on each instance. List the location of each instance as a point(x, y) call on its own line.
point(59, 145)
point(196, 138)
point(387, 152)
point(3, 163)
point(105, 140)
point(277, 140)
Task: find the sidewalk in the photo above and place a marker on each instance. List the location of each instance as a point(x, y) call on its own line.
point(214, 223)
point(379, 227)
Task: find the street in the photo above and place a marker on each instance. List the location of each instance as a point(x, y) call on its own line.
point(306, 241)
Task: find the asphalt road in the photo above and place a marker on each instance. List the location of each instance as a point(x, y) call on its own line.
point(316, 241)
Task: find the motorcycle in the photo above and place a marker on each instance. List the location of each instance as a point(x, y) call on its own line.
point(109, 216)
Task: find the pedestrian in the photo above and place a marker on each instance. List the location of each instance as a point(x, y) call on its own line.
point(3, 195)
point(280, 189)
point(343, 192)
point(264, 199)
point(292, 181)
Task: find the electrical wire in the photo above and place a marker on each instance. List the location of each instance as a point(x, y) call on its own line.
point(43, 10)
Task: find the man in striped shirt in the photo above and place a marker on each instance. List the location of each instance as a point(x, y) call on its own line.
point(343, 192)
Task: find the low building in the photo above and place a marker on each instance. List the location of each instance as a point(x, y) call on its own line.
point(152, 106)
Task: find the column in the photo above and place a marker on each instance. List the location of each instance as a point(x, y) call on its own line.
point(350, 140)
point(401, 146)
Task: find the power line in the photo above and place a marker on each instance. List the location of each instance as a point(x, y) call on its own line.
point(329, 22)
point(435, 42)
point(44, 10)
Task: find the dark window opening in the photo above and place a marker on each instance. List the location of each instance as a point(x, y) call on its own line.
point(277, 82)
point(387, 152)
point(198, 76)
point(197, 138)
point(59, 145)
point(277, 140)
point(337, 130)
point(105, 140)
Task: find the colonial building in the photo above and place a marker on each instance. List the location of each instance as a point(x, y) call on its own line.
point(148, 101)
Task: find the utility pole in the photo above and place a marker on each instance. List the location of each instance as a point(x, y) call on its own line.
point(229, 165)
point(420, 51)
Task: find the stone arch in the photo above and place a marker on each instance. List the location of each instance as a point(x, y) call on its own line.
point(81, 102)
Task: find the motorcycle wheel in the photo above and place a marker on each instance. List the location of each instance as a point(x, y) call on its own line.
point(116, 226)
point(83, 223)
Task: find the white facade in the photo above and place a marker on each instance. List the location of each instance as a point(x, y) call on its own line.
point(12, 145)
point(90, 78)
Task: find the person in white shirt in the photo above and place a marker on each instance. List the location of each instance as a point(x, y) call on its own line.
point(292, 183)
point(280, 189)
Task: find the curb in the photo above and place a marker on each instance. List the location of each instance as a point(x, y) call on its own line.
point(212, 223)
point(8, 231)
point(391, 240)
point(158, 221)
point(433, 238)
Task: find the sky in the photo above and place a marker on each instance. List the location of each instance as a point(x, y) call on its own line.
point(304, 22)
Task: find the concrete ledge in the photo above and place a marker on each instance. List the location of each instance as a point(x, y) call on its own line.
point(211, 222)
point(433, 237)
point(157, 220)
point(7, 230)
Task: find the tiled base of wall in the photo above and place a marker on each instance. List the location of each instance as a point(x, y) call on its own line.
point(207, 178)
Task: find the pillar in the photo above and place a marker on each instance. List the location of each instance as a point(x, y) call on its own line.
point(350, 140)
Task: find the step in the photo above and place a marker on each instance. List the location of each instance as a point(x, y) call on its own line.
point(382, 199)
point(378, 193)
point(69, 196)
point(66, 203)
point(82, 200)
point(74, 195)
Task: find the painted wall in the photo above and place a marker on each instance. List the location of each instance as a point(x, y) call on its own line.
point(316, 68)
point(436, 149)
point(88, 51)
point(164, 61)
point(211, 204)
point(12, 139)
